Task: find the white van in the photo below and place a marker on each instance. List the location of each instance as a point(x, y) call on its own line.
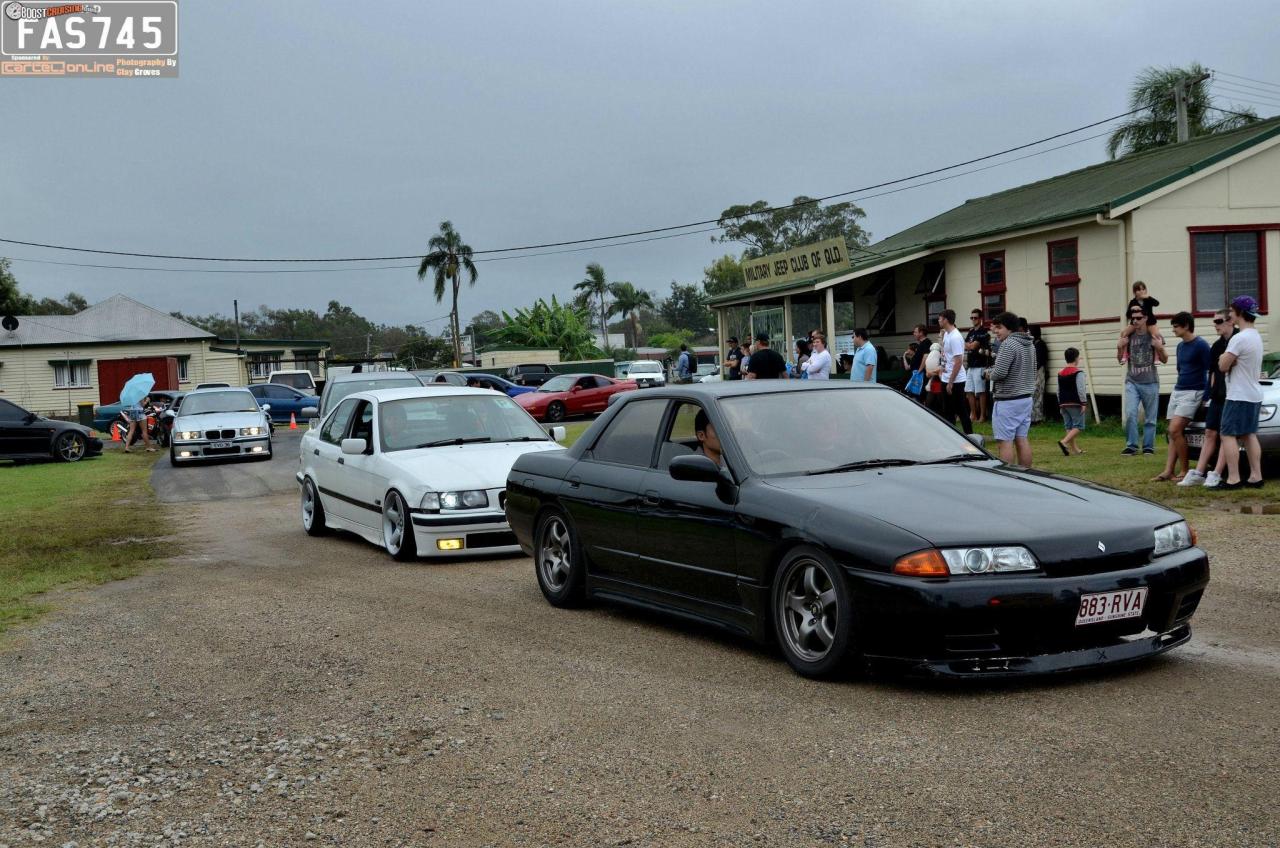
point(302, 380)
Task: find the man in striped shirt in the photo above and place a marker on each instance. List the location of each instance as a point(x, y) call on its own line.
point(1013, 382)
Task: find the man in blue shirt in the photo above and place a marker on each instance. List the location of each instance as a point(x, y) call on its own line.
point(1195, 358)
point(865, 360)
point(684, 365)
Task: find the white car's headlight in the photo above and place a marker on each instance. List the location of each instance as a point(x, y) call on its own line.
point(1174, 537)
point(186, 435)
point(989, 560)
point(1267, 412)
point(251, 431)
point(469, 499)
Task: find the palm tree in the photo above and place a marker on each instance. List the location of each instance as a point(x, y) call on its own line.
point(447, 258)
point(628, 301)
point(1157, 124)
point(595, 285)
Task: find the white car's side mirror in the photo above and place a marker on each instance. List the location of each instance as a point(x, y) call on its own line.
point(310, 412)
point(557, 434)
point(266, 407)
point(354, 446)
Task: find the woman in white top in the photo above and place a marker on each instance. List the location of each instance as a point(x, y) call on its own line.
point(818, 366)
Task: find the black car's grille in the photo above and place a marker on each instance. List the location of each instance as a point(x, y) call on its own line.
point(219, 434)
point(1187, 607)
point(1097, 564)
point(498, 539)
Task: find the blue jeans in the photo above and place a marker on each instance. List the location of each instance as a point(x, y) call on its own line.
point(1147, 394)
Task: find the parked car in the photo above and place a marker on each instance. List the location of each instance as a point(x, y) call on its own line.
point(349, 382)
point(705, 370)
point(219, 424)
point(572, 394)
point(212, 386)
point(25, 435)
point(499, 384)
point(299, 378)
point(285, 401)
point(647, 373)
point(420, 471)
point(453, 378)
point(813, 543)
point(530, 375)
point(1268, 422)
point(104, 415)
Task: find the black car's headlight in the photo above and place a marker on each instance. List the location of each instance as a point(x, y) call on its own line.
point(469, 499)
point(1002, 559)
point(1174, 537)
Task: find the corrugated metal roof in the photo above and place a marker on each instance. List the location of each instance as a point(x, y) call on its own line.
point(116, 319)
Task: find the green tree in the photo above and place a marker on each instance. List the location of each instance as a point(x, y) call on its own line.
point(483, 326)
point(723, 276)
point(628, 301)
point(670, 341)
point(596, 285)
point(686, 308)
point(554, 326)
point(14, 302)
point(447, 257)
point(805, 221)
point(424, 352)
point(1157, 124)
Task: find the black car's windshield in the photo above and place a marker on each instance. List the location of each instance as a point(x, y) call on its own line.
point(830, 430)
point(454, 419)
point(563, 383)
point(338, 391)
point(202, 403)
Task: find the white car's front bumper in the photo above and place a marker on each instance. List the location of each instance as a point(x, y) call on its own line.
point(240, 446)
point(477, 535)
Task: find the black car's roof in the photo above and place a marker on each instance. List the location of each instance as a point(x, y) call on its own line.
point(733, 388)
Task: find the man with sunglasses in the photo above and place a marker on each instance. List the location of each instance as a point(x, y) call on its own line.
point(1215, 399)
point(1141, 383)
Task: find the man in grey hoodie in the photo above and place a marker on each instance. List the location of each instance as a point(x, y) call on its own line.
point(1013, 382)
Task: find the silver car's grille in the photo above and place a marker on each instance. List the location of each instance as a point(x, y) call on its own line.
point(220, 434)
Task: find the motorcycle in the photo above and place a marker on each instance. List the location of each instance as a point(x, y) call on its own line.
point(154, 422)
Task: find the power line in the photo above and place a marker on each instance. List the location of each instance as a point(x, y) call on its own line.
point(1249, 96)
point(1249, 79)
point(1229, 112)
point(1252, 89)
point(592, 240)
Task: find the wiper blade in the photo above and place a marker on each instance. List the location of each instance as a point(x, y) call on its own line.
point(956, 457)
point(525, 439)
point(863, 463)
point(439, 443)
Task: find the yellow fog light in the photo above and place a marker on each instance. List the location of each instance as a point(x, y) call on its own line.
point(449, 544)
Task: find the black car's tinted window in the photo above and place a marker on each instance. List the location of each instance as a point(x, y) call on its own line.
point(631, 435)
point(336, 426)
point(10, 412)
point(681, 437)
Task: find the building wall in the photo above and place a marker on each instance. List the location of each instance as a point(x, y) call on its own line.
point(507, 358)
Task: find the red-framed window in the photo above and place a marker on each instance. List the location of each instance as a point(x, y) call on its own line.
point(992, 278)
point(1064, 279)
point(933, 287)
point(1227, 262)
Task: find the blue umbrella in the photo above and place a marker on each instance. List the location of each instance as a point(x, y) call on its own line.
point(138, 387)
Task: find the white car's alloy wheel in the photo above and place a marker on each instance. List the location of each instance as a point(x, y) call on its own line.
point(397, 528)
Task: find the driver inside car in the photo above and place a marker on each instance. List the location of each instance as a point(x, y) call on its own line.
point(395, 426)
point(708, 441)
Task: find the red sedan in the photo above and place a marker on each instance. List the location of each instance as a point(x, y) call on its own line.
point(572, 394)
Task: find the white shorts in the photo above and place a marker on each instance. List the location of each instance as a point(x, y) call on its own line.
point(1183, 403)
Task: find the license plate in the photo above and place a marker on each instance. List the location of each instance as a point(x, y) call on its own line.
point(1195, 440)
point(1111, 606)
point(220, 445)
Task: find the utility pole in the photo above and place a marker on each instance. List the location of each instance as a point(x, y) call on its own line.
point(1180, 102)
point(368, 344)
point(235, 305)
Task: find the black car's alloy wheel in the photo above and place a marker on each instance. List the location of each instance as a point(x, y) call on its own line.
point(312, 510)
point(557, 559)
point(555, 411)
point(397, 528)
point(812, 613)
point(70, 447)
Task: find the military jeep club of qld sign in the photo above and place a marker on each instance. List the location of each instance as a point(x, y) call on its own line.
point(108, 38)
point(801, 263)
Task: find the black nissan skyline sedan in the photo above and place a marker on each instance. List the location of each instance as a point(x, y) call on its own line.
point(854, 528)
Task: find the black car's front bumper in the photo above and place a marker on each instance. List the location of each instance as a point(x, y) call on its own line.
point(1007, 626)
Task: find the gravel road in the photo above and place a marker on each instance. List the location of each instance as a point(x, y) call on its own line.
point(271, 689)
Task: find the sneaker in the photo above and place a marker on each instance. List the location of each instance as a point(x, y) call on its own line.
point(1193, 478)
point(1129, 452)
point(1148, 451)
point(1213, 480)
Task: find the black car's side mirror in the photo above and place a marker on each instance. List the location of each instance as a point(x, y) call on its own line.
point(30, 418)
point(695, 468)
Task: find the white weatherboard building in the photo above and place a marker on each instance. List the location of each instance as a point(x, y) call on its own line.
point(1198, 222)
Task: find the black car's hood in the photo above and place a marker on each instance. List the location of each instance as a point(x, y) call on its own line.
point(985, 503)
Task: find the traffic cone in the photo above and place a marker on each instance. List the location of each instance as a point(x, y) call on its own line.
point(293, 422)
point(115, 431)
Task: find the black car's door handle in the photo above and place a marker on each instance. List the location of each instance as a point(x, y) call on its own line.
point(650, 498)
point(341, 461)
point(316, 451)
point(574, 482)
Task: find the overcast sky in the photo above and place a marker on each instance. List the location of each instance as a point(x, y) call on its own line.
point(341, 129)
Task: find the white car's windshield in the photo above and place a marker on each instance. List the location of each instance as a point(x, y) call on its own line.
point(646, 368)
point(437, 421)
point(294, 381)
point(562, 383)
point(851, 427)
point(348, 387)
point(203, 403)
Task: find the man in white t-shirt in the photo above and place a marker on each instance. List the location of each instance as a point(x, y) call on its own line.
point(818, 365)
point(953, 373)
point(1242, 363)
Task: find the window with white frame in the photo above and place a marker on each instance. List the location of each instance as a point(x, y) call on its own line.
point(309, 361)
point(262, 364)
point(71, 375)
point(1225, 265)
point(183, 361)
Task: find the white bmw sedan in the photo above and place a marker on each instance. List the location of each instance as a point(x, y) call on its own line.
point(220, 423)
point(419, 471)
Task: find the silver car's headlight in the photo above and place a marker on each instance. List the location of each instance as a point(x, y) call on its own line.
point(469, 499)
point(251, 431)
point(1267, 412)
point(989, 560)
point(1174, 537)
point(186, 435)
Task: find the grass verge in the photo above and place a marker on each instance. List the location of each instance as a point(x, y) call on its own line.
point(73, 523)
